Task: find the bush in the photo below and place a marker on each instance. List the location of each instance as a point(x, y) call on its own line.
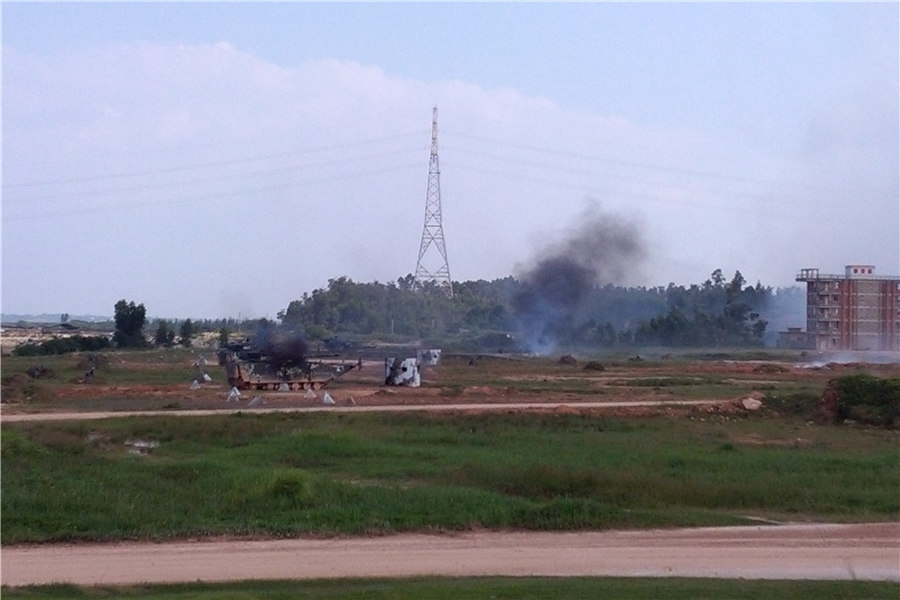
point(286, 486)
point(540, 481)
point(864, 399)
point(798, 404)
point(64, 345)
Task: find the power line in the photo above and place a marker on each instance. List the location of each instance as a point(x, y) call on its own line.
point(206, 179)
point(208, 164)
point(206, 197)
point(590, 172)
point(625, 163)
point(771, 195)
point(615, 193)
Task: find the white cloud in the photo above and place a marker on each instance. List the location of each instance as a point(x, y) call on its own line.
point(251, 183)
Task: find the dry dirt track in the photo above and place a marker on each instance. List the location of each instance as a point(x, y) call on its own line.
point(869, 551)
point(471, 406)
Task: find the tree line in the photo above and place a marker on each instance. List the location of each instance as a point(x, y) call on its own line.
point(486, 316)
point(483, 315)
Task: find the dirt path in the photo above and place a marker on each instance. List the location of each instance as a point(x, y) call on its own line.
point(8, 417)
point(861, 551)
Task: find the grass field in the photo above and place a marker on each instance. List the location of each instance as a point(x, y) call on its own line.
point(572, 588)
point(315, 473)
point(283, 475)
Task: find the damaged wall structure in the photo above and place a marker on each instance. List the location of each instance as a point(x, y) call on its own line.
point(402, 371)
point(854, 311)
point(408, 371)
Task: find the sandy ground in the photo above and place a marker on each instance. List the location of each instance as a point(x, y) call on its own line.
point(859, 551)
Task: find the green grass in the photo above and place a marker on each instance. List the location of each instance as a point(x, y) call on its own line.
point(536, 588)
point(116, 367)
point(321, 473)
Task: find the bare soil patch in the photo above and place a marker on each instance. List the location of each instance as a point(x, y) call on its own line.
point(867, 551)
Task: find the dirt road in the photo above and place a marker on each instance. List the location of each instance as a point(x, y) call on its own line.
point(868, 551)
point(471, 406)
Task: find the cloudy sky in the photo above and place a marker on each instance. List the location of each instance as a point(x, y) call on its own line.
point(223, 159)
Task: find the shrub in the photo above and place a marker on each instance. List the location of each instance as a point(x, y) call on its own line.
point(863, 398)
point(286, 486)
point(64, 345)
point(798, 404)
point(539, 481)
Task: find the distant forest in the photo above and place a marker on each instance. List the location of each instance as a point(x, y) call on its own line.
point(558, 311)
point(541, 316)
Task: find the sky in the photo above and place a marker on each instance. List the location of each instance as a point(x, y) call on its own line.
point(223, 159)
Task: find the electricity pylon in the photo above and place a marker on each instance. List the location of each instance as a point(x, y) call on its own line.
point(430, 267)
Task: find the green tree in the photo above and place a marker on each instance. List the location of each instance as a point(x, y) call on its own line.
point(130, 318)
point(716, 312)
point(165, 335)
point(187, 330)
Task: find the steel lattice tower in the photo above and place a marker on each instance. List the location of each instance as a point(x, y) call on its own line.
point(435, 268)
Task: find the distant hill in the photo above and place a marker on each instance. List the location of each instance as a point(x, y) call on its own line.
point(11, 319)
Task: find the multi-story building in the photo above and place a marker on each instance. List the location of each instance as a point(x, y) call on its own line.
point(854, 311)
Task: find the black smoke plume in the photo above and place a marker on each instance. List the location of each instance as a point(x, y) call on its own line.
point(282, 349)
point(600, 249)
